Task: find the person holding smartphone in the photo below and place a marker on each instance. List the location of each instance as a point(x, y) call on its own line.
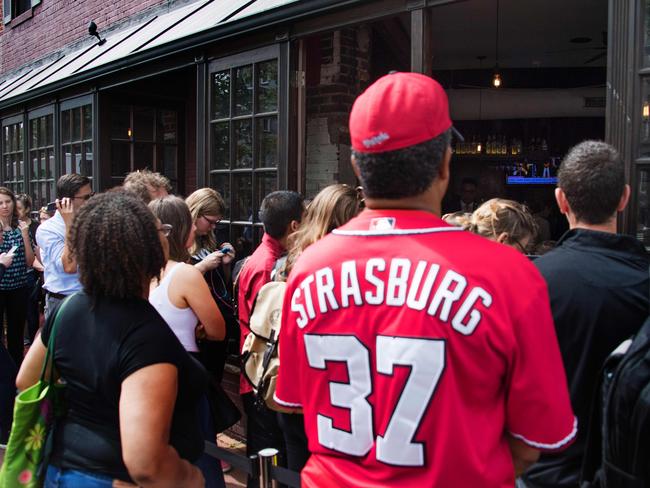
point(60, 268)
point(14, 285)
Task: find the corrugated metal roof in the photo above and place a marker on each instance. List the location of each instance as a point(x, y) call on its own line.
point(151, 32)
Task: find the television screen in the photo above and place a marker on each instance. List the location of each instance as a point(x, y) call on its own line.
point(543, 172)
point(524, 180)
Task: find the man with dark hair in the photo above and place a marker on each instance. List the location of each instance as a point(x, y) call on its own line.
point(280, 212)
point(467, 201)
point(147, 185)
point(402, 344)
point(598, 285)
point(60, 267)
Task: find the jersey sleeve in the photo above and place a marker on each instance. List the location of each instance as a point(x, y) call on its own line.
point(538, 407)
point(288, 389)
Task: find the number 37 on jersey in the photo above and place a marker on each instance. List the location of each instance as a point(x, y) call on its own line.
point(426, 360)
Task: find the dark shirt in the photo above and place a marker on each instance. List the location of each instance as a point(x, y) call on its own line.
point(16, 274)
point(96, 348)
point(598, 287)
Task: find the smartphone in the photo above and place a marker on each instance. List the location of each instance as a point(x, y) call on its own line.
point(12, 251)
point(225, 250)
point(51, 207)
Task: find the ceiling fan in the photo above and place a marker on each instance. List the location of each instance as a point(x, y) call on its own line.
point(579, 40)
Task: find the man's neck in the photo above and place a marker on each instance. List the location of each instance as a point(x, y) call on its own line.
point(609, 227)
point(403, 204)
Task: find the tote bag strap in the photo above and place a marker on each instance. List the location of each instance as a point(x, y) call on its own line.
point(49, 354)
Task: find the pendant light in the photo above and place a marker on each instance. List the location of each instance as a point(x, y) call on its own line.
point(496, 79)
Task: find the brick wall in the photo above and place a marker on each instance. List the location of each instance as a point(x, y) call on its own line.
point(58, 23)
point(338, 70)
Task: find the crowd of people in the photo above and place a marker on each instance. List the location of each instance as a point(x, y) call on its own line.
point(415, 349)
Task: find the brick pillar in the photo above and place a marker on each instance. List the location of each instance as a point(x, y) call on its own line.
point(344, 73)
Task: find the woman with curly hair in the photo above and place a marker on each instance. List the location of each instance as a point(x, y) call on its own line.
point(182, 297)
point(14, 285)
point(504, 221)
point(132, 390)
point(334, 206)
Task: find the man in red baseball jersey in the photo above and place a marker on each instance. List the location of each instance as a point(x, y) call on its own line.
point(401, 340)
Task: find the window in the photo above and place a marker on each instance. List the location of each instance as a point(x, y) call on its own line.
point(41, 158)
point(77, 139)
point(13, 154)
point(12, 9)
point(244, 150)
point(144, 137)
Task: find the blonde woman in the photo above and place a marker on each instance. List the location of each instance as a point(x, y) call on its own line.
point(207, 208)
point(504, 221)
point(331, 208)
point(334, 206)
point(213, 259)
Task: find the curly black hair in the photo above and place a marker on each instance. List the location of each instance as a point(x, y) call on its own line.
point(115, 241)
point(403, 172)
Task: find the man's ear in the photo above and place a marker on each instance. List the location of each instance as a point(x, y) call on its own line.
point(293, 226)
point(443, 169)
point(503, 238)
point(562, 202)
point(355, 168)
point(625, 198)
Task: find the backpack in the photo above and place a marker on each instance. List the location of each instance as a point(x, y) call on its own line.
point(260, 361)
point(618, 443)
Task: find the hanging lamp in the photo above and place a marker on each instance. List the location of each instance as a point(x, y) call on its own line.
point(496, 78)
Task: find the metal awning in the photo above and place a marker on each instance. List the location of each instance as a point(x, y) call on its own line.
point(193, 24)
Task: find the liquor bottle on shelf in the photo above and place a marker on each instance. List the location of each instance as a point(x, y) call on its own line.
point(504, 146)
point(544, 145)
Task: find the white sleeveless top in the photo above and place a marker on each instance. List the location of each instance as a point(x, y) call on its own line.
point(182, 321)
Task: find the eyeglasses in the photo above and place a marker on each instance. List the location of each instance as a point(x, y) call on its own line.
point(210, 221)
point(166, 229)
point(87, 196)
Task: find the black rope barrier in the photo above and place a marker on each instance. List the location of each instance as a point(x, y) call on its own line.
point(285, 476)
point(251, 465)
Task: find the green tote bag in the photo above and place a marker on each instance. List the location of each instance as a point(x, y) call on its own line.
point(35, 410)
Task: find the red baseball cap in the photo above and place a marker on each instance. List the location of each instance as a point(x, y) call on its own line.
point(397, 111)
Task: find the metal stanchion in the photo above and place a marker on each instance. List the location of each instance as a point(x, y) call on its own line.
point(268, 457)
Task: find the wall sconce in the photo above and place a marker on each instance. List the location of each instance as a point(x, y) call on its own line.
point(92, 30)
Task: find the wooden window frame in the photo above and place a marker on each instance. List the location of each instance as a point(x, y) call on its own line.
point(279, 52)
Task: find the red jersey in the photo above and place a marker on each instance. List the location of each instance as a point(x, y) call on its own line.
point(255, 273)
point(413, 347)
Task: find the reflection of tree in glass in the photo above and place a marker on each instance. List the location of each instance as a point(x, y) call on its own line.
point(244, 90)
point(267, 134)
point(267, 76)
point(220, 146)
point(221, 95)
point(244, 149)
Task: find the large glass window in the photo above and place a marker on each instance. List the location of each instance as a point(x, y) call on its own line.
point(144, 137)
point(13, 154)
point(244, 149)
point(41, 159)
point(77, 140)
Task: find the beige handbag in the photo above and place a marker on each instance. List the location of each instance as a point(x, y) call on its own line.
point(260, 361)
